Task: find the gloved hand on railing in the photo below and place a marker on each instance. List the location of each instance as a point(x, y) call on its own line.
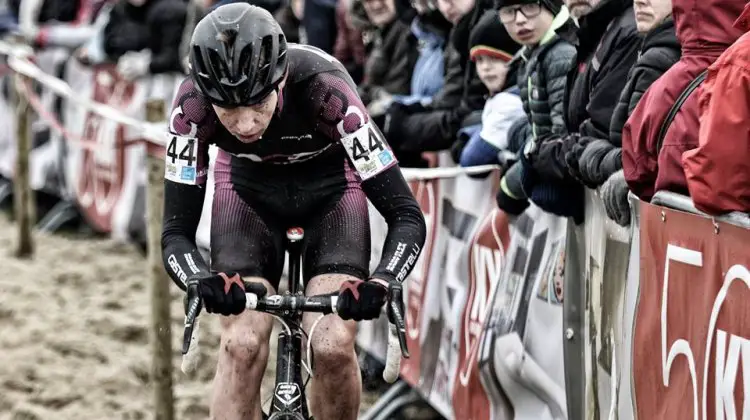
point(134, 64)
point(614, 193)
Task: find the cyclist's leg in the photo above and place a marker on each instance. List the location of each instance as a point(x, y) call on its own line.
point(243, 242)
point(338, 249)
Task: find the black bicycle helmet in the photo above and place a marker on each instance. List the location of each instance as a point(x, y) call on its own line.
point(238, 55)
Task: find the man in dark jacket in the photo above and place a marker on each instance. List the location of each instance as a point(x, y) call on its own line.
point(414, 128)
point(601, 159)
point(143, 36)
point(607, 45)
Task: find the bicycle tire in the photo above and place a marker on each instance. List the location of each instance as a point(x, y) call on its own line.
point(287, 416)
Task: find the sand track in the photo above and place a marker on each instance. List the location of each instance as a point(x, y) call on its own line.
point(74, 334)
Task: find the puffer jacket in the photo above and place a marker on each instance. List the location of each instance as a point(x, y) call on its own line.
point(542, 78)
point(659, 51)
point(704, 29)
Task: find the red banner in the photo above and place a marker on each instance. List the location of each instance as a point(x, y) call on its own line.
point(427, 194)
point(693, 318)
point(486, 262)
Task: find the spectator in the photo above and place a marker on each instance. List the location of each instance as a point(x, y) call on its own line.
point(546, 59)
point(603, 158)
point(143, 36)
point(44, 23)
point(319, 23)
point(718, 171)
point(607, 45)
point(430, 30)
point(391, 62)
point(492, 48)
point(416, 128)
point(652, 162)
point(272, 6)
point(349, 48)
point(290, 20)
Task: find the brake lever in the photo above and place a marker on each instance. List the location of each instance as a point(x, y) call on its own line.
point(395, 314)
point(192, 310)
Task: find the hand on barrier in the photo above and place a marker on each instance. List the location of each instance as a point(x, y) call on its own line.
point(361, 300)
point(614, 194)
point(134, 64)
point(599, 160)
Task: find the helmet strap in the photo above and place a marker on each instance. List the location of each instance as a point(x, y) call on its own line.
point(279, 100)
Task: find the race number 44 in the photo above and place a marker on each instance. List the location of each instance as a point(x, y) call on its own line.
point(368, 152)
point(181, 160)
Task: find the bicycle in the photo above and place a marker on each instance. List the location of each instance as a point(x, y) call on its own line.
point(289, 400)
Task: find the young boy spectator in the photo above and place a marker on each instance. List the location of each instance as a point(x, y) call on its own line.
point(540, 26)
point(492, 48)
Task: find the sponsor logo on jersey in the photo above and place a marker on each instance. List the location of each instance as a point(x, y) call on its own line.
point(175, 266)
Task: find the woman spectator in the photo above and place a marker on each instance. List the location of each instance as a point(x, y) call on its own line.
point(601, 159)
point(430, 30)
point(391, 60)
point(651, 163)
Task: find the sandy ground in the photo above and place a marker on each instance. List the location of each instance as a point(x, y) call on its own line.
point(74, 334)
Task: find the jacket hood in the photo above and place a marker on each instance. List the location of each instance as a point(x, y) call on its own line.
point(661, 36)
point(706, 25)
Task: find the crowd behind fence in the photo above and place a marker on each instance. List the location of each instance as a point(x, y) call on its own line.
point(517, 308)
point(526, 317)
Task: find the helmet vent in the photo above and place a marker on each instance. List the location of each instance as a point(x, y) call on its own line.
point(264, 60)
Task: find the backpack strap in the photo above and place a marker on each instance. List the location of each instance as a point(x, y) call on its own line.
point(677, 105)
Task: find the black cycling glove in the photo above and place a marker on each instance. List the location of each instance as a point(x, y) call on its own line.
point(224, 293)
point(361, 300)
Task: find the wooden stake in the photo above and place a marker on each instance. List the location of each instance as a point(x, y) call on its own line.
point(23, 195)
point(161, 332)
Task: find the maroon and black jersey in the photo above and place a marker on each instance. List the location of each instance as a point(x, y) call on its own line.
point(315, 166)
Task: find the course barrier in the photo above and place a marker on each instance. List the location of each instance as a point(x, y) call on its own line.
point(526, 317)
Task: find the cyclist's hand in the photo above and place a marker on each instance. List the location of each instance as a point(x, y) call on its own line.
point(360, 300)
point(222, 293)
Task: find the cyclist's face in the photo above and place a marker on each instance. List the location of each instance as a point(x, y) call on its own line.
point(526, 23)
point(248, 123)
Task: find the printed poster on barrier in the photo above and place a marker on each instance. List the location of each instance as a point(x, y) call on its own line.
point(465, 203)
point(521, 351)
point(691, 348)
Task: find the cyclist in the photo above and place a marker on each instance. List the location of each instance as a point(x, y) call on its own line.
point(296, 148)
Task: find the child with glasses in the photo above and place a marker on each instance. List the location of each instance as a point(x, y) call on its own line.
point(542, 27)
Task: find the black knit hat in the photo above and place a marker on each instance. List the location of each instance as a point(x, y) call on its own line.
point(553, 6)
point(489, 37)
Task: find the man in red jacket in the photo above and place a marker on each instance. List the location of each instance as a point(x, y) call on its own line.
point(718, 171)
point(704, 29)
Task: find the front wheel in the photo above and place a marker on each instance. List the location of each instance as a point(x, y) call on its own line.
point(288, 416)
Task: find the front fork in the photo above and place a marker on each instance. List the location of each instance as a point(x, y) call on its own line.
point(289, 395)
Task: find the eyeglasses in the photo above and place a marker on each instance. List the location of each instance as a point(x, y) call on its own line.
point(528, 10)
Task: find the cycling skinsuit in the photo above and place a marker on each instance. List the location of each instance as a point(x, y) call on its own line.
point(315, 167)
